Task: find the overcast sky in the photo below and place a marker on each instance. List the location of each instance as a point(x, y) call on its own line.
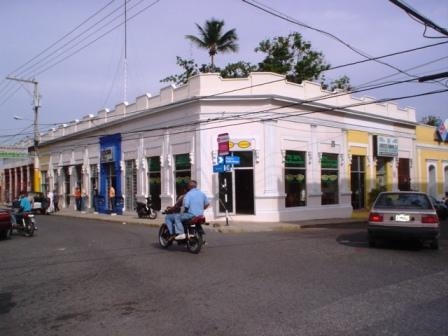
point(92, 78)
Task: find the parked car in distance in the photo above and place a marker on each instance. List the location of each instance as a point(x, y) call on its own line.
point(403, 215)
point(441, 207)
point(39, 201)
point(5, 223)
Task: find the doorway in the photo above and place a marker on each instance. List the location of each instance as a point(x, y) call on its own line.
point(236, 187)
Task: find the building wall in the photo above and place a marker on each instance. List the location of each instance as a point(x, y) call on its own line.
point(266, 118)
point(431, 161)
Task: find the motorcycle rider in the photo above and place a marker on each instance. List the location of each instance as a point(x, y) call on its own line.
point(194, 203)
point(172, 211)
point(24, 206)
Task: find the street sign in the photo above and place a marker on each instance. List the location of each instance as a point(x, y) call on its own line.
point(220, 160)
point(232, 160)
point(222, 168)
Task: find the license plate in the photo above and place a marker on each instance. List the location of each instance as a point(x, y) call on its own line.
point(402, 218)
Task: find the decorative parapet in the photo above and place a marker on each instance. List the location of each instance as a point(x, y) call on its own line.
point(257, 84)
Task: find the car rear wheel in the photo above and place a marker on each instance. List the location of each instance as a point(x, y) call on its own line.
point(371, 240)
point(434, 244)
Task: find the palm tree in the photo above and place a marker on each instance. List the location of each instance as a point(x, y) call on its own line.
point(212, 39)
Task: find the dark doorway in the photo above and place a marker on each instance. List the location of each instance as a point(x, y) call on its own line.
point(404, 172)
point(244, 191)
point(357, 181)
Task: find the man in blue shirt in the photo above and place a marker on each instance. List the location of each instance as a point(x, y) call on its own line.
point(24, 206)
point(194, 203)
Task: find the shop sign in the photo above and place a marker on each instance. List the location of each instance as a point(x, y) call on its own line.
point(387, 146)
point(182, 161)
point(329, 161)
point(442, 130)
point(223, 144)
point(295, 159)
point(107, 155)
point(13, 153)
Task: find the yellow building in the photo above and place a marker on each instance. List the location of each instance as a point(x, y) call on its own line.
point(432, 160)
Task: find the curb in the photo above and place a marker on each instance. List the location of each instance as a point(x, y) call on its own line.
point(222, 227)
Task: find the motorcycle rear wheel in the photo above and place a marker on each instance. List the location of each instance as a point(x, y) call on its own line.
point(164, 236)
point(29, 230)
point(153, 214)
point(194, 244)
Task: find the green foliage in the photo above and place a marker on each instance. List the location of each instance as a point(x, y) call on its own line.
point(292, 57)
point(289, 56)
point(238, 70)
point(431, 120)
point(342, 83)
point(190, 69)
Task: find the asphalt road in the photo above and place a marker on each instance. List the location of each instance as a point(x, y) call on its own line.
point(86, 277)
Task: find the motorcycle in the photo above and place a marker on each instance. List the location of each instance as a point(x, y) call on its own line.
point(194, 235)
point(25, 224)
point(146, 210)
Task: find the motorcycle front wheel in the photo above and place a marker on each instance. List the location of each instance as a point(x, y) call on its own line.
point(194, 243)
point(164, 236)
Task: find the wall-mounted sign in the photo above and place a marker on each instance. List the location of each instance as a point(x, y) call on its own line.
point(242, 144)
point(386, 146)
point(107, 155)
point(442, 130)
point(223, 144)
point(13, 153)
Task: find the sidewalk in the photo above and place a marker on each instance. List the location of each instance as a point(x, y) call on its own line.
point(358, 218)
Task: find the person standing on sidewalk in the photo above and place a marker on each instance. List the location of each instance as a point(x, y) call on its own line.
point(78, 198)
point(55, 201)
point(112, 198)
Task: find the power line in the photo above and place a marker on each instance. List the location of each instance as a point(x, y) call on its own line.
point(245, 115)
point(287, 18)
point(52, 60)
point(427, 22)
point(387, 55)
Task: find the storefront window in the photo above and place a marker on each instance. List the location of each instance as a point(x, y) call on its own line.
point(182, 172)
point(329, 178)
point(154, 181)
point(295, 178)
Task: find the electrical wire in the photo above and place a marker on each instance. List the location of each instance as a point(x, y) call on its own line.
point(287, 18)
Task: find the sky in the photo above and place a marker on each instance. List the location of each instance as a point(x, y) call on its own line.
point(75, 50)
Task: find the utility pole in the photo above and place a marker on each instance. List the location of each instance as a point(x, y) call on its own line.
point(36, 100)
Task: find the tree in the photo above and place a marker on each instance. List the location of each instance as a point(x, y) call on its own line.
point(293, 57)
point(190, 67)
point(342, 83)
point(431, 120)
point(212, 39)
point(238, 70)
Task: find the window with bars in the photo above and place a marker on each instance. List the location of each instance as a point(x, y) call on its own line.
point(130, 184)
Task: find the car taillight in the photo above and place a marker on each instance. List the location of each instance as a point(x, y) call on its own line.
point(430, 219)
point(374, 217)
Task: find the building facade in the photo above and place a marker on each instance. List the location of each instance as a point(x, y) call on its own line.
point(295, 151)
